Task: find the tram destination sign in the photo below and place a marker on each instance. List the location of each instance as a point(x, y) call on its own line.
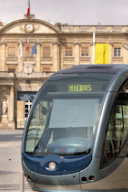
point(77, 86)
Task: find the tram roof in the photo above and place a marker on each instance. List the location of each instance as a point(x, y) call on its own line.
point(117, 73)
point(97, 68)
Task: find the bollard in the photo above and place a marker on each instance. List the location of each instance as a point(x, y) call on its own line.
point(21, 181)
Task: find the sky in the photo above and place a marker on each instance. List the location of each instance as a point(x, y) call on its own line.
point(73, 12)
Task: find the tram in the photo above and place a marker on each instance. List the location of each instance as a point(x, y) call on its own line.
point(76, 134)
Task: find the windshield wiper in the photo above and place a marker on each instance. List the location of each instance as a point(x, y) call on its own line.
point(83, 152)
point(30, 153)
point(75, 153)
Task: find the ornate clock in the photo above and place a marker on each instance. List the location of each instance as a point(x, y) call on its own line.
point(29, 28)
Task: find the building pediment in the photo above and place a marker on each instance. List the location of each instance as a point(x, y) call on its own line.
point(29, 25)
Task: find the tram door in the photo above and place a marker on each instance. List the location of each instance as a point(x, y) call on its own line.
point(27, 108)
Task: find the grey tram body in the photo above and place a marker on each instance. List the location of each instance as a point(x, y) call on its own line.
point(113, 177)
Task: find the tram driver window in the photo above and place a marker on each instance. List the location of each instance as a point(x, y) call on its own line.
point(117, 131)
point(37, 124)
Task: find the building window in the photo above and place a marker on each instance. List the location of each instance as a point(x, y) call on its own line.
point(117, 52)
point(68, 51)
point(11, 69)
point(27, 108)
point(11, 51)
point(46, 51)
point(84, 51)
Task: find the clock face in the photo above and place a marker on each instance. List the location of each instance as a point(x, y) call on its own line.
point(29, 27)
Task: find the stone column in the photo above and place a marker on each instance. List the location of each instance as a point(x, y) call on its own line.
point(110, 56)
point(62, 54)
point(59, 56)
point(11, 122)
point(38, 58)
point(55, 57)
point(3, 51)
point(20, 56)
point(77, 53)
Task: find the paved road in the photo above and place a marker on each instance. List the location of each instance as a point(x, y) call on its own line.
point(10, 163)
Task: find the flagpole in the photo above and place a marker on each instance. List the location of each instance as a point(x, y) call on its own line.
point(28, 16)
point(27, 45)
point(93, 43)
point(20, 55)
point(28, 9)
point(28, 49)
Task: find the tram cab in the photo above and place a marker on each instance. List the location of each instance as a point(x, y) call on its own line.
point(76, 134)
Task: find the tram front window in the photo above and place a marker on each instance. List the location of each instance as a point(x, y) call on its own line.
point(65, 126)
point(64, 118)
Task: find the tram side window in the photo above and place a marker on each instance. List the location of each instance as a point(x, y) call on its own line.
point(117, 131)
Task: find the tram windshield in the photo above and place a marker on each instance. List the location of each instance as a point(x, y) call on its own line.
point(65, 115)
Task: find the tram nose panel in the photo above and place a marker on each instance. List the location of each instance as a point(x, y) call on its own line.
point(56, 165)
point(54, 169)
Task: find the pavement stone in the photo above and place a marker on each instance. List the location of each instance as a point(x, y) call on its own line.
point(10, 161)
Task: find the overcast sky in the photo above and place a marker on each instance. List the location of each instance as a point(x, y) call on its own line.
point(74, 12)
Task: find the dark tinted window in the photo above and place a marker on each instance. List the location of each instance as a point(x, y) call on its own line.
point(117, 131)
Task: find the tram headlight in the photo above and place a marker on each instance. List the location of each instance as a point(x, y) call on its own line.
point(52, 166)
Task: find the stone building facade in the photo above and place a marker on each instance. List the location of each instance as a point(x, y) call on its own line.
point(58, 47)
